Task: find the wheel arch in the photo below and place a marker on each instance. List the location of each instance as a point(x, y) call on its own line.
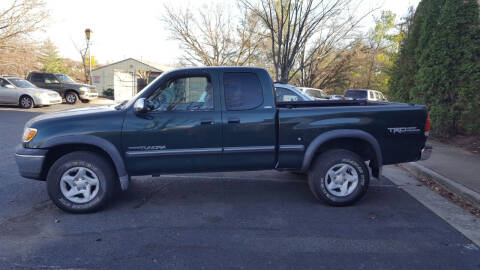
point(340, 137)
point(70, 90)
point(67, 144)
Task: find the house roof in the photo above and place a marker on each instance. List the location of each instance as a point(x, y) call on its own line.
point(154, 67)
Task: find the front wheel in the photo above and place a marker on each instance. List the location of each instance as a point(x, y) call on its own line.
point(81, 182)
point(26, 102)
point(71, 97)
point(339, 177)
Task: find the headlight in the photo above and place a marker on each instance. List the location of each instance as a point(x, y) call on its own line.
point(83, 89)
point(41, 95)
point(29, 134)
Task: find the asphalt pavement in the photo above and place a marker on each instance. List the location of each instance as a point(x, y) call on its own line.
point(236, 220)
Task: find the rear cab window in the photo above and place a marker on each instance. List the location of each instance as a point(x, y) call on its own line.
point(37, 77)
point(243, 91)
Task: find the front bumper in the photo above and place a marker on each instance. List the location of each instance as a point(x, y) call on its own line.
point(30, 162)
point(49, 101)
point(426, 152)
point(89, 96)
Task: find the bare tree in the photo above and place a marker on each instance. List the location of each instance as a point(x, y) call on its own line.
point(330, 71)
point(213, 36)
point(21, 18)
point(304, 31)
point(19, 57)
point(18, 20)
point(75, 69)
point(85, 61)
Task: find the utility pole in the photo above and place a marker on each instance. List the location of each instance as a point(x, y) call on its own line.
point(88, 32)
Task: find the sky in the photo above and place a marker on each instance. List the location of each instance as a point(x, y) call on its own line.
point(125, 28)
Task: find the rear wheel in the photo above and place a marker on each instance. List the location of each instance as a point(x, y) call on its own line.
point(71, 97)
point(339, 177)
point(85, 100)
point(81, 182)
point(26, 102)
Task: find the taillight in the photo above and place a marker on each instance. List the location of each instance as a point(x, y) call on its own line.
point(427, 125)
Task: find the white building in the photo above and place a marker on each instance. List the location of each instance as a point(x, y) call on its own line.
point(125, 77)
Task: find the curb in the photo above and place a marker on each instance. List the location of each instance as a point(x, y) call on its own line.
point(422, 171)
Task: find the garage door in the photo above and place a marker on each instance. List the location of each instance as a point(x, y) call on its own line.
point(124, 85)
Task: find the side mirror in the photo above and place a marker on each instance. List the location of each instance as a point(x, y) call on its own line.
point(9, 86)
point(140, 106)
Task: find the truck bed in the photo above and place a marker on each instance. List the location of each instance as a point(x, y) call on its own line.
point(329, 103)
point(301, 122)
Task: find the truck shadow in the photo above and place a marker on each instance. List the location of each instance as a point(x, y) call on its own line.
point(196, 192)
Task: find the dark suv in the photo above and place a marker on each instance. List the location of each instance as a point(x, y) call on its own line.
point(64, 85)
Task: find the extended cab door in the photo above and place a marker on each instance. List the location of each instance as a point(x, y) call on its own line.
point(249, 135)
point(181, 132)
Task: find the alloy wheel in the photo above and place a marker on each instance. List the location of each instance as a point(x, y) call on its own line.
point(79, 184)
point(341, 179)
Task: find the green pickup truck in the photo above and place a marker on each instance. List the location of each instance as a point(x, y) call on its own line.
point(218, 119)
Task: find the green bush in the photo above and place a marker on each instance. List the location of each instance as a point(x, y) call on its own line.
point(439, 65)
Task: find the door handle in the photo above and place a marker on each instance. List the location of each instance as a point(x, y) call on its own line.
point(206, 122)
point(234, 121)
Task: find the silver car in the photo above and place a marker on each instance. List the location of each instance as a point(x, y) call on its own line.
point(17, 91)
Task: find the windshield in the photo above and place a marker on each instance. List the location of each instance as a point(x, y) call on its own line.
point(356, 94)
point(64, 78)
point(21, 83)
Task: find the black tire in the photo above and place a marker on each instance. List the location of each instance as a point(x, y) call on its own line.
point(85, 100)
point(26, 102)
point(71, 97)
point(99, 165)
point(317, 177)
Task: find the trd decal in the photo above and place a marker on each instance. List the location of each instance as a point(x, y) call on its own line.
point(403, 130)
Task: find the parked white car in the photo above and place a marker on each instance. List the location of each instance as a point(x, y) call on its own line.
point(364, 94)
point(314, 93)
point(286, 92)
point(17, 91)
